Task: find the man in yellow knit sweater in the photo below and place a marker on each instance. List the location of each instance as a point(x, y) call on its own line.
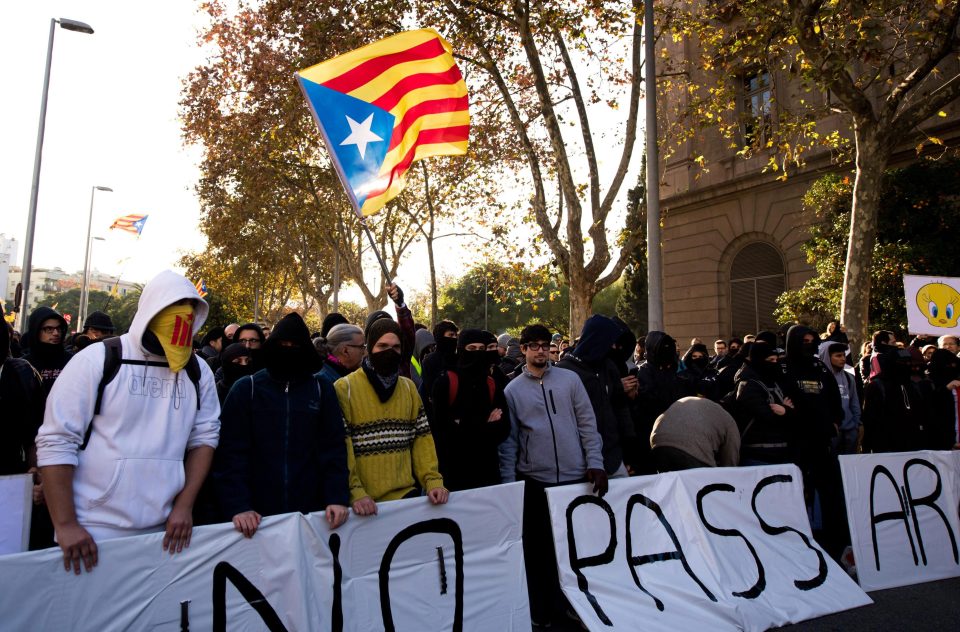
point(388, 436)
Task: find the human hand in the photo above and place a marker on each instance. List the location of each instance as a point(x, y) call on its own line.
point(247, 523)
point(76, 545)
point(788, 402)
point(953, 385)
point(395, 293)
point(495, 415)
point(336, 515)
point(438, 495)
point(599, 480)
point(365, 507)
point(179, 529)
point(630, 385)
point(37, 486)
point(778, 409)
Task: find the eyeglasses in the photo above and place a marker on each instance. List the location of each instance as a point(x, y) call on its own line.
point(249, 341)
point(537, 346)
point(49, 330)
point(355, 346)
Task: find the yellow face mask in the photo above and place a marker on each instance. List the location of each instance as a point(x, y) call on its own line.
point(173, 326)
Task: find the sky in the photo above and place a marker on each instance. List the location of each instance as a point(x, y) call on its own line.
point(112, 121)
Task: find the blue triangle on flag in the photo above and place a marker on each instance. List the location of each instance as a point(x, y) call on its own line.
point(351, 125)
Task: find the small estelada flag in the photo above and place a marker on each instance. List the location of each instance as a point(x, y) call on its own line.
point(201, 286)
point(385, 105)
point(130, 223)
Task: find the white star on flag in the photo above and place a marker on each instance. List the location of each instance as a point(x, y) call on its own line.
point(360, 134)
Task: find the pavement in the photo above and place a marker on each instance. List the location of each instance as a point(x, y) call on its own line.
point(929, 606)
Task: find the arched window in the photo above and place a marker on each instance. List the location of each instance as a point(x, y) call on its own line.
point(756, 280)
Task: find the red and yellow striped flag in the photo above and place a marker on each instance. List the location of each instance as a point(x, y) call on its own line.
point(382, 107)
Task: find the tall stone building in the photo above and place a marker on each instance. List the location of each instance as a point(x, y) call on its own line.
point(732, 234)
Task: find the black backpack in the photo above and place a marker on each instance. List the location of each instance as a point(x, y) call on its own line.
point(113, 358)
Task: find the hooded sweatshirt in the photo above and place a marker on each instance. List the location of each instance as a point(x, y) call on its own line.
point(48, 359)
point(847, 384)
point(132, 468)
point(20, 407)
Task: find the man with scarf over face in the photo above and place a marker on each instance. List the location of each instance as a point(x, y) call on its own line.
point(658, 387)
point(595, 361)
point(944, 427)
point(22, 409)
point(894, 411)
point(388, 435)
point(122, 472)
point(470, 420)
point(282, 439)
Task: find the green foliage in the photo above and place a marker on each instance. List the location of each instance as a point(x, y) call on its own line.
point(919, 217)
point(607, 299)
point(68, 302)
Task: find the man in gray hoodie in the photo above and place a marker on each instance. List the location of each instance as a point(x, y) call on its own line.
point(834, 355)
point(553, 441)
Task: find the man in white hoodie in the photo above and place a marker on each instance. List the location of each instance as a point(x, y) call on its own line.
point(122, 471)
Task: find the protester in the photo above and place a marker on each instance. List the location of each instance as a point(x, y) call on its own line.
point(658, 386)
point(719, 352)
point(405, 320)
point(229, 331)
point(330, 321)
point(470, 418)
point(424, 344)
point(553, 441)
point(44, 346)
point(512, 358)
point(764, 414)
point(121, 471)
point(943, 429)
point(345, 350)
point(894, 410)
point(236, 362)
point(390, 450)
point(22, 408)
point(211, 345)
point(250, 335)
point(698, 377)
point(694, 432)
point(591, 360)
point(282, 445)
point(98, 326)
point(834, 356)
point(444, 357)
point(950, 343)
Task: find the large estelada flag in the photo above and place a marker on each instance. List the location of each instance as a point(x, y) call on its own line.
point(382, 107)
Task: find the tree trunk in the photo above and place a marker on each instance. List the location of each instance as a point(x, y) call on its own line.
point(434, 304)
point(582, 292)
point(872, 157)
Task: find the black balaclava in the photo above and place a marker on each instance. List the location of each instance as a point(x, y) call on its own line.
point(493, 357)
point(383, 367)
point(287, 363)
point(797, 350)
point(472, 363)
point(447, 347)
point(596, 339)
point(623, 347)
point(895, 365)
point(703, 362)
point(661, 351)
point(233, 372)
point(757, 360)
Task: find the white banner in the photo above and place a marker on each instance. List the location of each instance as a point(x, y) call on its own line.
point(933, 304)
point(414, 566)
point(16, 502)
point(704, 549)
point(902, 509)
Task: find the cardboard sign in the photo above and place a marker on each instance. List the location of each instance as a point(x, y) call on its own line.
point(933, 304)
point(902, 510)
point(704, 549)
point(16, 500)
point(414, 566)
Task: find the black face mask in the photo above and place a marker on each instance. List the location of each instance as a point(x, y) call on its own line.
point(492, 357)
point(233, 371)
point(385, 363)
point(810, 348)
point(447, 346)
point(700, 363)
point(289, 362)
point(619, 355)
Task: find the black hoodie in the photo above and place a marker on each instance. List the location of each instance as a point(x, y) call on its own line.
point(591, 361)
point(21, 408)
point(47, 359)
point(894, 411)
point(814, 391)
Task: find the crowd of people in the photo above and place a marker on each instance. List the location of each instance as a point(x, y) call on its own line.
point(156, 431)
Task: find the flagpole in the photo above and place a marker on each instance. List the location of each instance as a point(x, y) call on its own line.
point(376, 251)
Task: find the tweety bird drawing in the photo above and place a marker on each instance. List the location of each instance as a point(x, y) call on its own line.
point(940, 304)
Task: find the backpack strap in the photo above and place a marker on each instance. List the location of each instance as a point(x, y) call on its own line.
point(193, 372)
point(112, 359)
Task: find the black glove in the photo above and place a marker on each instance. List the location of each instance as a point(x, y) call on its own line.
point(599, 480)
point(397, 296)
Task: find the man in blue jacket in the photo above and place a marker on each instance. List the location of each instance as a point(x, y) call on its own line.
point(553, 441)
point(282, 445)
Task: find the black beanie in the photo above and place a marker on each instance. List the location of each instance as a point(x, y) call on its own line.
point(378, 329)
point(760, 351)
point(768, 337)
point(99, 320)
point(372, 318)
point(471, 336)
point(332, 320)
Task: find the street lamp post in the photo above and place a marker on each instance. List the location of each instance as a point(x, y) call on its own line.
point(85, 291)
point(70, 25)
